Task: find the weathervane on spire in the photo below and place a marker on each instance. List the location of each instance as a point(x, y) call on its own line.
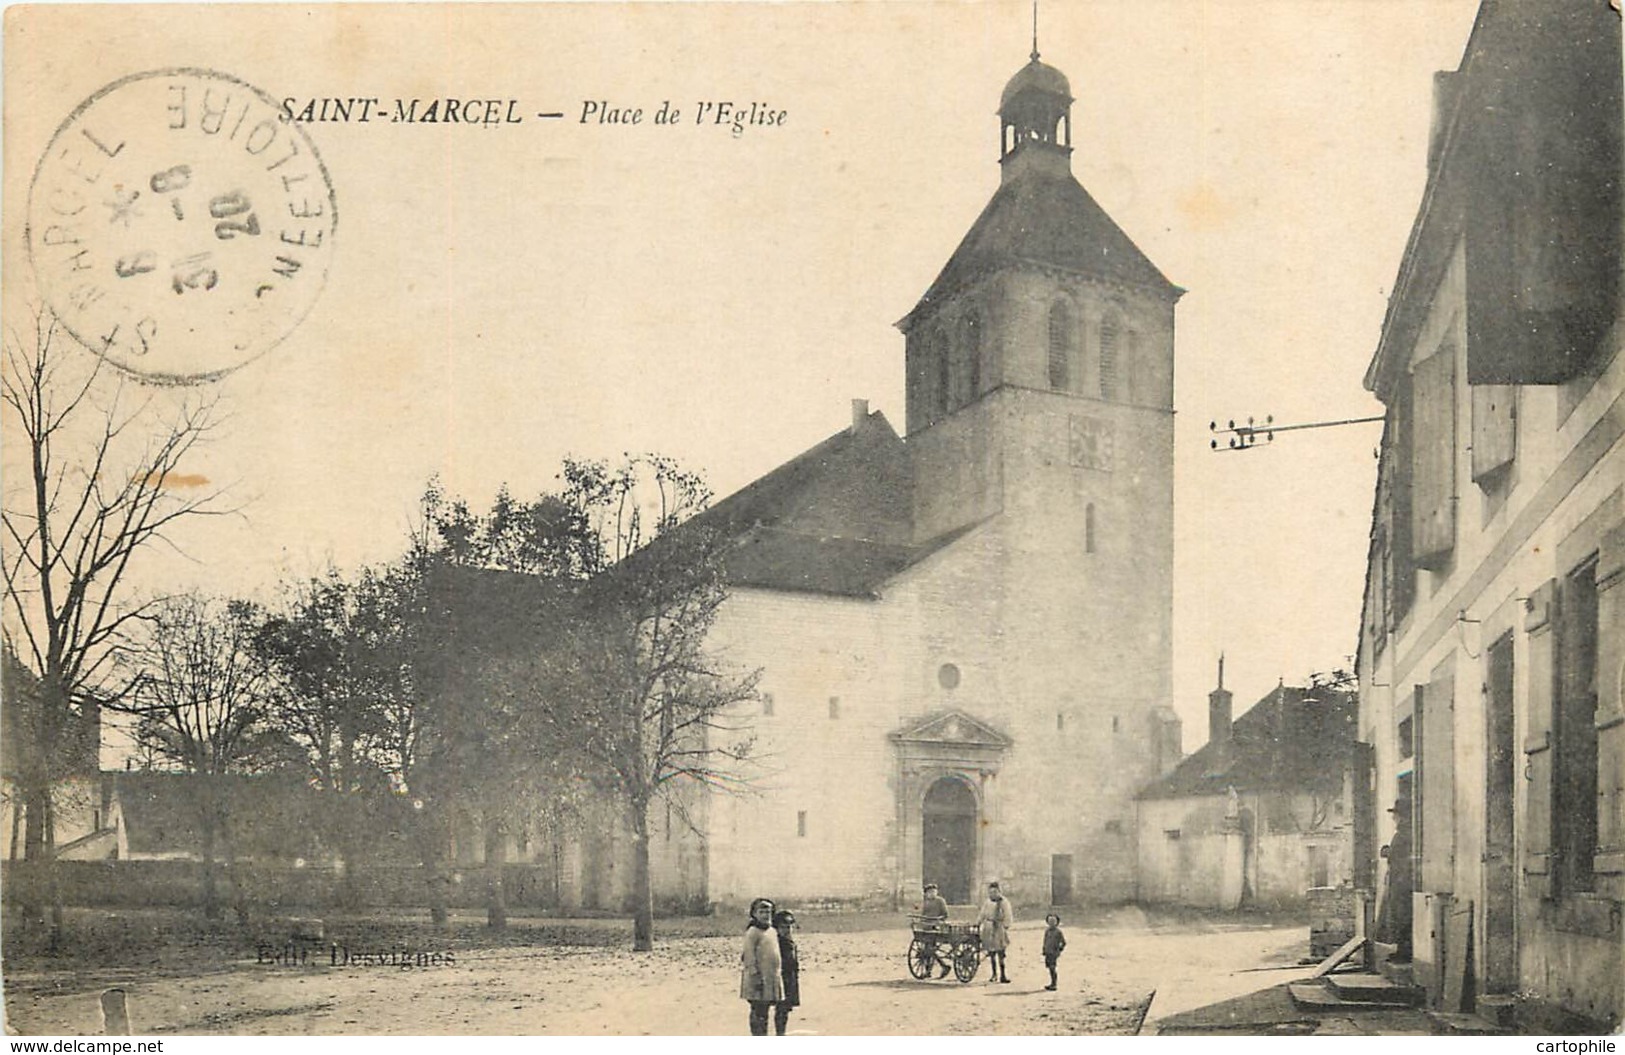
point(1035, 31)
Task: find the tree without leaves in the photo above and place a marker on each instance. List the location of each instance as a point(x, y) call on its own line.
point(93, 479)
point(200, 694)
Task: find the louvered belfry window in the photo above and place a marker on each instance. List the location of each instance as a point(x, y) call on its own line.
point(1060, 347)
point(1108, 359)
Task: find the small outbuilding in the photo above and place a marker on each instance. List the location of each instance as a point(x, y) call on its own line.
point(1262, 813)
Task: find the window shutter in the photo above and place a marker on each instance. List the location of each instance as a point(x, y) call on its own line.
point(1494, 429)
point(1543, 162)
point(1610, 859)
point(1433, 455)
point(1537, 747)
point(1436, 759)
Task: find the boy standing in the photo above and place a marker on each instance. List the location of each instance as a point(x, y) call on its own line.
point(1054, 942)
point(790, 967)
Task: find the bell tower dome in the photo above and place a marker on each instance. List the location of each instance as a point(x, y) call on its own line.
point(1035, 120)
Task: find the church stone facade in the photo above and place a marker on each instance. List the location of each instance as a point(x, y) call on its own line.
point(964, 631)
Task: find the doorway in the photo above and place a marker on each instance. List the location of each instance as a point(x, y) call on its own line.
point(1060, 879)
point(949, 839)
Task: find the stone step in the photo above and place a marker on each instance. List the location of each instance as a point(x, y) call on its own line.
point(1360, 987)
point(1318, 996)
point(1399, 972)
point(1499, 1008)
point(1466, 1025)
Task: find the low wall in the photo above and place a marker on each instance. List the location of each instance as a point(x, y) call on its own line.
point(271, 889)
point(1331, 919)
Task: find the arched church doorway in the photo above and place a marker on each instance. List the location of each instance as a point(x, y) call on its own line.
point(949, 838)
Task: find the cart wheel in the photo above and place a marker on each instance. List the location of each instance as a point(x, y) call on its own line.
point(967, 961)
point(921, 958)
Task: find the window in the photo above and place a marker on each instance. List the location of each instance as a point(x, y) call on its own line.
point(939, 346)
point(834, 706)
point(1089, 528)
point(1060, 347)
point(1060, 720)
point(1108, 358)
point(801, 824)
point(1172, 833)
point(973, 355)
point(1320, 866)
point(767, 704)
point(948, 676)
point(1574, 801)
point(1117, 724)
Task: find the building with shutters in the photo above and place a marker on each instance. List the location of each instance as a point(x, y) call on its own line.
point(1492, 651)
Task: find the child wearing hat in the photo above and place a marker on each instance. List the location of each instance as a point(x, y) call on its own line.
point(1054, 942)
point(790, 969)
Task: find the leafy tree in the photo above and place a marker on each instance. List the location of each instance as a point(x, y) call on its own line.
point(657, 710)
point(335, 651)
point(495, 593)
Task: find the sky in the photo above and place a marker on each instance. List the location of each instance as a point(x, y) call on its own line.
point(500, 297)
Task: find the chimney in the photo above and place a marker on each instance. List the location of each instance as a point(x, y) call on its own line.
point(860, 414)
point(1169, 740)
point(1446, 88)
point(1218, 710)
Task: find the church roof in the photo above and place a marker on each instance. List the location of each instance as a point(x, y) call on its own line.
point(1050, 221)
point(855, 484)
point(1294, 739)
point(776, 559)
point(836, 519)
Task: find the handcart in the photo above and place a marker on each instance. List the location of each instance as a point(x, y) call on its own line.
point(939, 943)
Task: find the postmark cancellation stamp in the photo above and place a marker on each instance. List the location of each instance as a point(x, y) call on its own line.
point(179, 225)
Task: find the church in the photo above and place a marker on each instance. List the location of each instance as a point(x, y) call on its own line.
point(964, 630)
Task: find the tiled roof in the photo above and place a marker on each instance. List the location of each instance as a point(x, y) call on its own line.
point(1292, 739)
point(1048, 220)
point(835, 519)
point(774, 559)
point(855, 484)
point(270, 816)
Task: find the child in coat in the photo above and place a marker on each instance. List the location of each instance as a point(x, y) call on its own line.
point(789, 969)
point(760, 983)
point(1054, 942)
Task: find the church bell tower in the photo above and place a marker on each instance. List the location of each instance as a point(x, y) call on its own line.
point(1040, 416)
